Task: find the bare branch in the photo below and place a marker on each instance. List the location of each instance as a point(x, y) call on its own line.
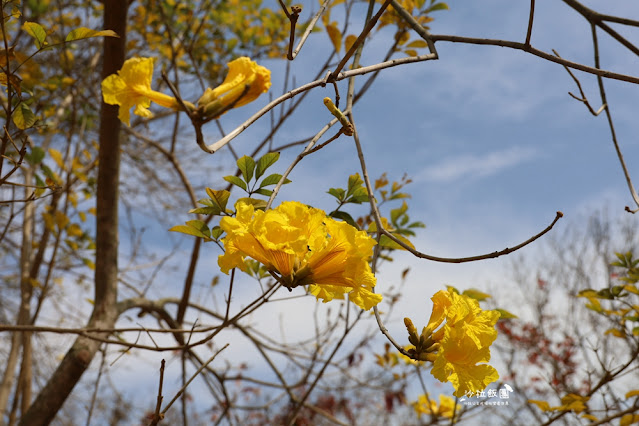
point(530, 22)
point(583, 97)
point(536, 52)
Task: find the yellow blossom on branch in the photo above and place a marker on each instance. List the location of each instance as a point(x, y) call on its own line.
point(131, 87)
point(304, 247)
point(244, 83)
point(425, 405)
point(465, 342)
point(461, 346)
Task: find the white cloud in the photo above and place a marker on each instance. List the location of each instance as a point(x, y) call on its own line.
point(476, 165)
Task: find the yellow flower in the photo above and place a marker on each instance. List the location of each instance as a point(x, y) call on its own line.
point(424, 405)
point(570, 402)
point(464, 342)
point(305, 247)
point(458, 362)
point(131, 86)
point(244, 83)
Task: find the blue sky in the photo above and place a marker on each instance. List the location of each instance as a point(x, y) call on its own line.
point(490, 137)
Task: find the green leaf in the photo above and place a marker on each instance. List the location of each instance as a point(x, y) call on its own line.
point(218, 198)
point(196, 228)
point(36, 31)
point(265, 192)
point(360, 195)
point(395, 213)
point(23, 117)
point(504, 314)
point(587, 293)
point(48, 172)
point(199, 225)
point(605, 294)
point(83, 32)
point(206, 201)
point(266, 161)
point(246, 165)
point(437, 6)
point(40, 183)
point(338, 193)
point(345, 217)
point(616, 290)
point(205, 210)
point(386, 242)
point(35, 156)
point(216, 232)
point(354, 183)
point(476, 294)
point(235, 181)
point(272, 180)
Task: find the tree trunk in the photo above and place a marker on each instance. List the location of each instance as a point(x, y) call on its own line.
point(26, 291)
point(78, 358)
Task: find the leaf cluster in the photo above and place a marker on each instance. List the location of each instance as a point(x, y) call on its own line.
point(248, 180)
point(621, 301)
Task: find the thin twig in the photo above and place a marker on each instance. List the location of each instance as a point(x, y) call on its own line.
point(199, 370)
point(292, 54)
point(317, 83)
point(613, 134)
point(369, 26)
point(583, 97)
point(531, 18)
point(158, 416)
point(492, 255)
point(596, 19)
point(290, 168)
point(97, 386)
point(619, 20)
point(62, 330)
point(378, 222)
point(415, 26)
point(228, 302)
point(536, 52)
point(302, 401)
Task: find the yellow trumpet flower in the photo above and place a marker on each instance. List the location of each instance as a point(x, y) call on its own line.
point(305, 247)
point(131, 87)
point(244, 83)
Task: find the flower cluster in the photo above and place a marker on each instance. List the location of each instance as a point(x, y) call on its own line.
point(131, 87)
point(425, 405)
point(304, 247)
point(459, 348)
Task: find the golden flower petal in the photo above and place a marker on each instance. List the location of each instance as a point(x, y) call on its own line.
point(305, 247)
point(131, 87)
